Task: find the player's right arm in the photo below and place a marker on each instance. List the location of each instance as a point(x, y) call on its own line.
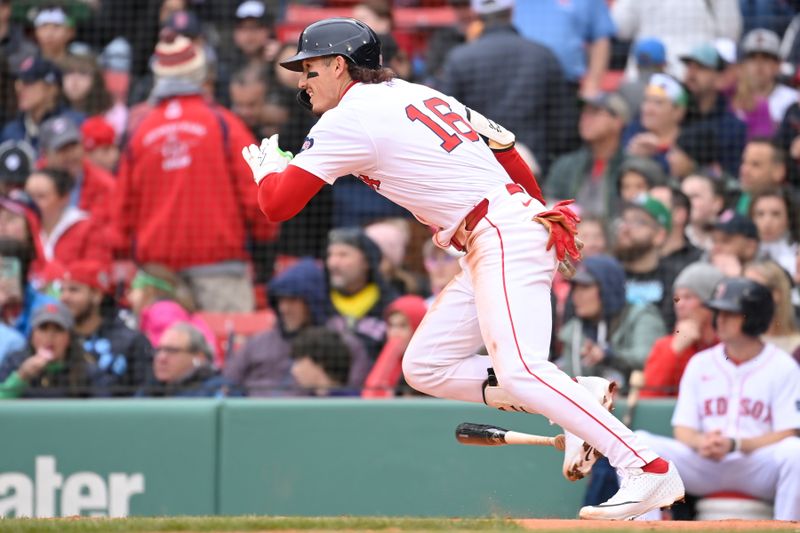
point(283, 189)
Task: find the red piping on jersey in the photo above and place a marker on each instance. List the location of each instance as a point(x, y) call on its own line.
point(349, 86)
point(519, 351)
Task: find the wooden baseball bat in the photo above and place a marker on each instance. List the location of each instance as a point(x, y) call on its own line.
point(485, 435)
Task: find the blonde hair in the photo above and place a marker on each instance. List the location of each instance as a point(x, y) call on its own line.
point(778, 281)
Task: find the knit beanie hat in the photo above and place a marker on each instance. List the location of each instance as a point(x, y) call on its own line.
point(700, 278)
point(177, 57)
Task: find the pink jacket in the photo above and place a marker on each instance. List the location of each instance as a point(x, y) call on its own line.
point(159, 316)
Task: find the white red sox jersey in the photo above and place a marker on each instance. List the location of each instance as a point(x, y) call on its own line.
point(399, 138)
point(747, 400)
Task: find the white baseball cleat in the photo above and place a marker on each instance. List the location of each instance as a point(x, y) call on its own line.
point(639, 493)
point(579, 456)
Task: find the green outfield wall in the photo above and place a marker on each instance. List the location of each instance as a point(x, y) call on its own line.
point(278, 457)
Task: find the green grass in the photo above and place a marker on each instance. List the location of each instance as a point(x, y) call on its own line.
point(314, 524)
point(252, 523)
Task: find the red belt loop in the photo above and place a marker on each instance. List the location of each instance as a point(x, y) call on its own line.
point(480, 210)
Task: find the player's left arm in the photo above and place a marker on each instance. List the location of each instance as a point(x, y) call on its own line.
point(784, 409)
point(752, 444)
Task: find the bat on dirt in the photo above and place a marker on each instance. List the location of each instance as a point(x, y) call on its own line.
point(485, 435)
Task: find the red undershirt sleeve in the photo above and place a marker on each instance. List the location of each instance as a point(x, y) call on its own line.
point(281, 195)
point(519, 171)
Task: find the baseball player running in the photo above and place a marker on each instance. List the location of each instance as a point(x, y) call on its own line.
point(423, 150)
point(737, 418)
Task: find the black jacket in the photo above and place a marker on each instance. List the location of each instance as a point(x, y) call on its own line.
point(517, 83)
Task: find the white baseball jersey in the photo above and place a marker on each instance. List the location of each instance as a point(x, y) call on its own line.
point(409, 143)
point(747, 400)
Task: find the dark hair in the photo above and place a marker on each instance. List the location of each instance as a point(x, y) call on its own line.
point(718, 187)
point(368, 75)
point(778, 154)
point(98, 100)
point(250, 74)
point(681, 200)
point(327, 349)
point(783, 194)
point(62, 180)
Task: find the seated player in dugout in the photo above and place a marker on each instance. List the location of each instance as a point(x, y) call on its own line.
point(425, 151)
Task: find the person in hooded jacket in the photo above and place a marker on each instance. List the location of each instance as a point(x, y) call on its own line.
point(357, 293)
point(607, 337)
point(263, 365)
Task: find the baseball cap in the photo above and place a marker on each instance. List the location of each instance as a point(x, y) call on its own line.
point(116, 56)
point(726, 48)
point(611, 102)
point(732, 223)
point(52, 313)
point(761, 41)
point(96, 132)
point(184, 23)
point(37, 68)
point(650, 52)
point(88, 272)
point(666, 86)
point(648, 168)
point(16, 162)
point(487, 7)
point(700, 278)
point(52, 15)
point(252, 9)
point(655, 209)
point(58, 132)
point(705, 55)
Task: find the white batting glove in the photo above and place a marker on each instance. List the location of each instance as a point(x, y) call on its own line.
point(499, 137)
point(267, 158)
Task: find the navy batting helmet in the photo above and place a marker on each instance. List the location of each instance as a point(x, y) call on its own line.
point(346, 37)
point(753, 300)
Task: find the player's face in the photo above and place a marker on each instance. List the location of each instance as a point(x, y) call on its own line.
point(728, 326)
point(321, 79)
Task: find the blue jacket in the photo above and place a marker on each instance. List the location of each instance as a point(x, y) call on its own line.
point(32, 301)
point(16, 130)
point(731, 132)
point(205, 382)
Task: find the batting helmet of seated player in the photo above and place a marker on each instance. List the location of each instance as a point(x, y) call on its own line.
point(751, 299)
point(346, 37)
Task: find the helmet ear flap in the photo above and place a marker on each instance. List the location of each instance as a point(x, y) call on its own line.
point(303, 99)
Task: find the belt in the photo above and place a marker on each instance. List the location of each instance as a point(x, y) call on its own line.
point(478, 212)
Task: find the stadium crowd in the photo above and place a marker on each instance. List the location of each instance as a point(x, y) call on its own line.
point(129, 226)
point(135, 260)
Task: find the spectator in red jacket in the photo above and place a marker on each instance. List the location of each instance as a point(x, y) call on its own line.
point(61, 145)
point(99, 143)
point(694, 331)
point(403, 317)
point(185, 197)
point(67, 233)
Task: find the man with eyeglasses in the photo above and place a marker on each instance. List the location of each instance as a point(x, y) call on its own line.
point(182, 367)
point(639, 234)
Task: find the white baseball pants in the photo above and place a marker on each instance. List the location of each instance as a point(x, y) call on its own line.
point(501, 300)
point(770, 473)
